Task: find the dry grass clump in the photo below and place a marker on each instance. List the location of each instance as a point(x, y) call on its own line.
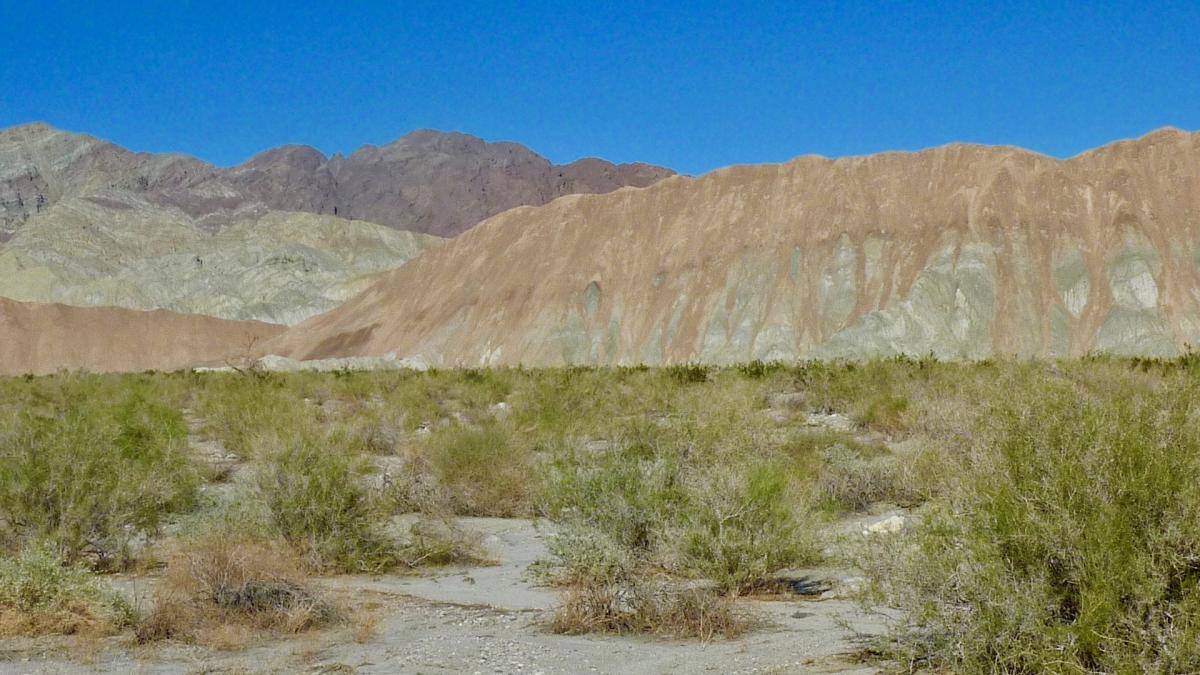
point(648, 608)
point(434, 542)
point(41, 596)
point(220, 579)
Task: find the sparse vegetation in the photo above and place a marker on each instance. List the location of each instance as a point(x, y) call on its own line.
point(1050, 530)
point(219, 578)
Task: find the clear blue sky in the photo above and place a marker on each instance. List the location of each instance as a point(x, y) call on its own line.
point(692, 85)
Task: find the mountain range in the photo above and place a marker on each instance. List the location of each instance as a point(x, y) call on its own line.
point(286, 235)
point(962, 251)
point(427, 181)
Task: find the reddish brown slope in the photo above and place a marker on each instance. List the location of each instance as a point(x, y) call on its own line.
point(39, 339)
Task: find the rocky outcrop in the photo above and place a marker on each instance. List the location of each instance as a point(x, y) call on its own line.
point(41, 339)
point(962, 251)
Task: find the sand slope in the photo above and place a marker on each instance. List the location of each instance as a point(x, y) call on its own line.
point(39, 339)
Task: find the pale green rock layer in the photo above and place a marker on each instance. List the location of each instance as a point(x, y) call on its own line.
point(278, 267)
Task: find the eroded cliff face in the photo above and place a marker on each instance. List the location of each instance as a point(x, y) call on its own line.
point(961, 251)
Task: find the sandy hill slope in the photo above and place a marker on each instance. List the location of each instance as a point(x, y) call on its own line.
point(427, 181)
point(959, 251)
point(42, 339)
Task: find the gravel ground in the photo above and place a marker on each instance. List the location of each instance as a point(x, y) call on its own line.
point(475, 620)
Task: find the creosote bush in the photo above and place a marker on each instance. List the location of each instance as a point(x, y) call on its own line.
point(101, 470)
point(1071, 545)
point(318, 503)
point(739, 529)
point(484, 471)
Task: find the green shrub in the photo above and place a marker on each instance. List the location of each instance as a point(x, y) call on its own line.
point(483, 470)
point(628, 495)
point(1072, 546)
point(756, 370)
point(740, 527)
point(641, 507)
point(105, 470)
point(318, 503)
point(688, 373)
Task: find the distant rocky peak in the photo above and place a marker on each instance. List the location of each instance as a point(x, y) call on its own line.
point(429, 181)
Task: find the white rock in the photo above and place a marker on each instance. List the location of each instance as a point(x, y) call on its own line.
point(282, 364)
point(889, 525)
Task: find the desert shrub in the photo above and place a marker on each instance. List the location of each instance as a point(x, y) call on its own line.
point(1071, 546)
point(646, 607)
point(102, 471)
point(628, 495)
point(39, 595)
point(849, 481)
point(219, 578)
point(584, 556)
point(739, 527)
point(484, 471)
point(643, 507)
point(237, 410)
point(757, 370)
point(318, 503)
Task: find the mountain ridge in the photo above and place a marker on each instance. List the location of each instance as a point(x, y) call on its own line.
point(427, 181)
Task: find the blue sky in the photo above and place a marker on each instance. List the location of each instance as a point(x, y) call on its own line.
point(692, 85)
